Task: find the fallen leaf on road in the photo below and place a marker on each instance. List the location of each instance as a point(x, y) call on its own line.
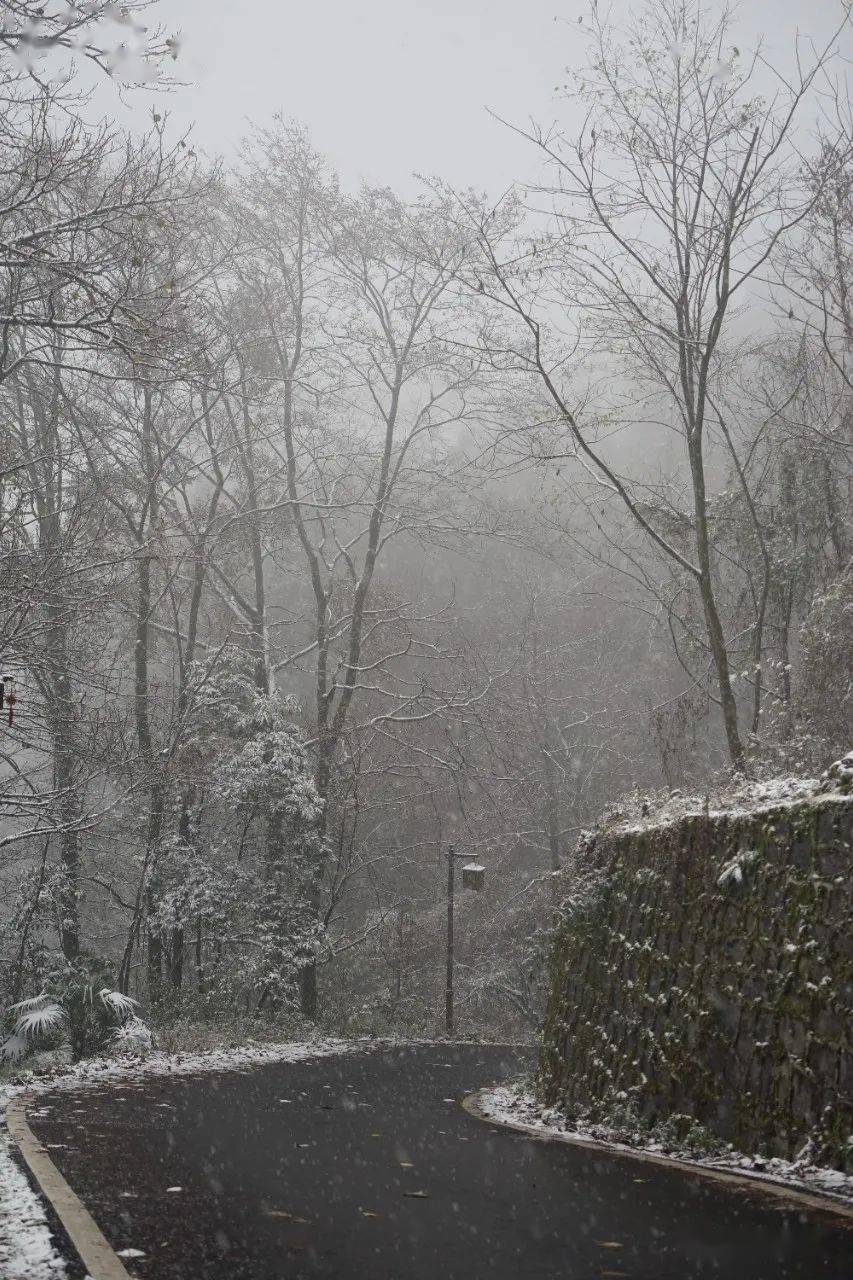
point(406, 1164)
point(368, 1213)
point(174, 1188)
point(417, 1195)
point(376, 1135)
point(609, 1244)
point(291, 1217)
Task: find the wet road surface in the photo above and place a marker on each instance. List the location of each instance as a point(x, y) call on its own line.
point(365, 1167)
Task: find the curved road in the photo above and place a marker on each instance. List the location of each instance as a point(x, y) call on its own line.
point(364, 1167)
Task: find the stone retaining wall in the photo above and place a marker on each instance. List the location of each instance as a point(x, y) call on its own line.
point(704, 971)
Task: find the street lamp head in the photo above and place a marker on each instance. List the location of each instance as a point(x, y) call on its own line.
point(473, 876)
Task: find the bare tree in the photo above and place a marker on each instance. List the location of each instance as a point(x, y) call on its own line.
point(117, 40)
point(356, 313)
point(667, 209)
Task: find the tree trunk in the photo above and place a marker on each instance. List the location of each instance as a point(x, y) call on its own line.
point(199, 964)
point(716, 637)
point(142, 700)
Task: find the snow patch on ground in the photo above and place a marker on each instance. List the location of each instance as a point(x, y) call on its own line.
point(132, 1066)
point(506, 1104)
point(27, 1251)
point(26, 1245)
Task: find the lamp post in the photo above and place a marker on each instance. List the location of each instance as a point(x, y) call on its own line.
point(7, 697)
point(472, 878)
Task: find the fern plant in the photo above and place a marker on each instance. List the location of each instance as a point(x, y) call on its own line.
point(35, 1020)
point(78, 1009)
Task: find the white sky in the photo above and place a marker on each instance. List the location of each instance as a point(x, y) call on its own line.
point(391, 87)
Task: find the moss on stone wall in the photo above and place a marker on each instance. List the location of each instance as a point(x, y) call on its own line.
point(710, 974)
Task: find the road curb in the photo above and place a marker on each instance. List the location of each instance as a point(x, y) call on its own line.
point(96, 1253)
point(780, 1190)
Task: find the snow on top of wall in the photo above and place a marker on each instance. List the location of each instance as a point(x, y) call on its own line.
point(738, 796)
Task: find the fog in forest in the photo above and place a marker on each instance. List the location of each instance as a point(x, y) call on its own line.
point(424, 426)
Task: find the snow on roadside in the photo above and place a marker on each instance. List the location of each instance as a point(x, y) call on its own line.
point(94, 1071)
point(26, 1245)
point(506, 1104)
point(27, 1251)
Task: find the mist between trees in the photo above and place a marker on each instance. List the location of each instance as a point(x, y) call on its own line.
point(338, 527)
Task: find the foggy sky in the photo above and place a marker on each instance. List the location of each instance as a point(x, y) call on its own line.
point(388, 87)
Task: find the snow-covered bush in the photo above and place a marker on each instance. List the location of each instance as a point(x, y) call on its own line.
point(78, 1010)
point(839, 776)
point(732, 873)
point(132, 1036)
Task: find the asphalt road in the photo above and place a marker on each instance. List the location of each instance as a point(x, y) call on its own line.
point(365, 1167)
